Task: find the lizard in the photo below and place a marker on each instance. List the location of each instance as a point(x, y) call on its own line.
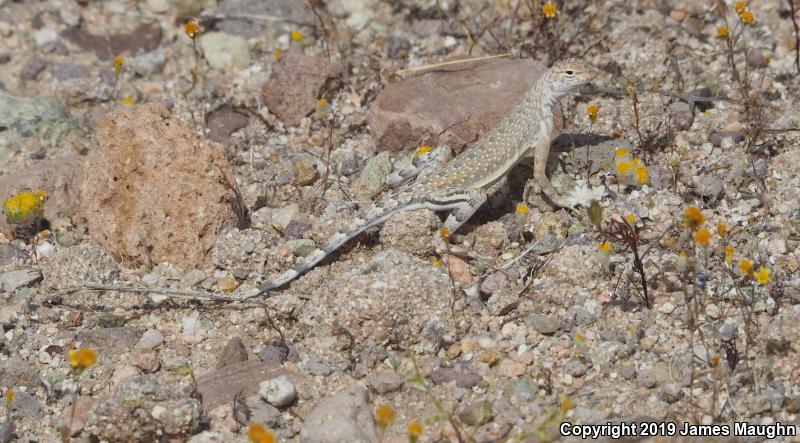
point(460, 185)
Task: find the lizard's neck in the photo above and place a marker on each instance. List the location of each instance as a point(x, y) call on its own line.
point(543, 93)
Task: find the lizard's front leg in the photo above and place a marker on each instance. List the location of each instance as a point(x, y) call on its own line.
point(540, 154)
point(463, 204)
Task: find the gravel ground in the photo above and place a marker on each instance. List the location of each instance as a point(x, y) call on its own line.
point(175, 162)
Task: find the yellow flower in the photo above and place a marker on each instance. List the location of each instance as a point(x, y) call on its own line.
point(722, 32)
point(82, 358)
point(549, 9)
point(436, 262)
point(624, 167)
point(748, 18)
point(593, 110)
point(566, 403)
point(622, 152)
point(257, 433)
point(24, 206)
point(191, 28)
point(642, 175)
point(422, 150)
point(740, 6)
point(722, 228)
point(630, 218)
point(729, 251)
point(415, 430)
point(297, 36)
point(522, 210)
point(384, 415)
point(277, 53)
point(702, 237)
point(128, 101)
point(580, 337)
point(321, 103)
point(10, 395)
point(693, 218)
point(715, 360)
point(762, 276)
point(445, 234)
point(746, 266)
point(604, 248)
point(118, 62)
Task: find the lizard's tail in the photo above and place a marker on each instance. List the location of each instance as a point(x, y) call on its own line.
point(376, 214)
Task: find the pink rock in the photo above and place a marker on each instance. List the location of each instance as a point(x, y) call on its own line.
point(152, 177)
point(58, 177)
point(294, 86)
point(460, 102)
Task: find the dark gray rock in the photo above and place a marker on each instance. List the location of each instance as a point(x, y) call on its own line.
point(109, 342)
point(627, 372)
point(67, 71)
point(319, 368)
point(295, 230)
point(756, 59)
point(233, 352)
point(275, 355)
point(716, 137)
point(476, 413)
point(682, 120)
point(463, 379)
point(384, 382)
point(397, 47)
point(576, 368)
point(647, 379)
point(32, 68)
point(544, 324)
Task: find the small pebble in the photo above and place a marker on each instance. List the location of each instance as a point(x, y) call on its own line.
point(279, 391)
point(150, 339)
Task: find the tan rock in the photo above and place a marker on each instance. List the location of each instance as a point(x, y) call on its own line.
point(153, 179)
point(461, 102)
point(459, 270)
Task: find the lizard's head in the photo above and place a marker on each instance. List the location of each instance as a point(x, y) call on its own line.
point(567, 75)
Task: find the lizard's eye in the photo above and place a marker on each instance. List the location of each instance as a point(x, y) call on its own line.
point(570, 73)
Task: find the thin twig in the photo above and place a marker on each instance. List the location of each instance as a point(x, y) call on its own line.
point(453, 62)
point(792, 13)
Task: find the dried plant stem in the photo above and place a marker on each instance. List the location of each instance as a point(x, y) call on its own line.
point(454, 62)
point(792, 13)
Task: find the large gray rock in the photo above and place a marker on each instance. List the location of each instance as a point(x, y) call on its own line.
point(78, 265)
point(39, 117)
point(144, 409)
point(245, 17)
point(461, 102)
point(345, 416)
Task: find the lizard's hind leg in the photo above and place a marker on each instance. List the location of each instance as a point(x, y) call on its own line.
point(463, 203)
